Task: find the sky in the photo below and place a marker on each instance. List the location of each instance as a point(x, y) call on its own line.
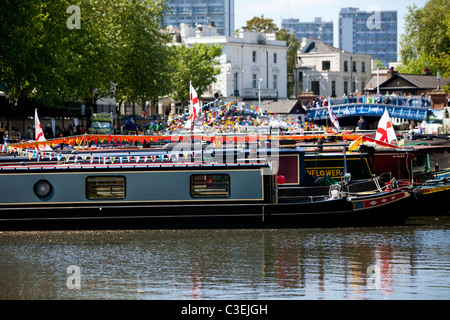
point(307, 10)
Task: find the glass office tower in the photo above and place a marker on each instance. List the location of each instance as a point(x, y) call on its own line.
point(317, 29)
point(371, 32)
point(193, 12)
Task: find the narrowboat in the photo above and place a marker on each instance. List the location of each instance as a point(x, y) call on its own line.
point(138, 194)
point(425, 167)
point(434, 197)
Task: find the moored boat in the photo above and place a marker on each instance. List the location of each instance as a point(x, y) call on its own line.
point(434, 197)
point(181, 194)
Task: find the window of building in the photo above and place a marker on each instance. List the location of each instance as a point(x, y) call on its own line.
point(326, 65)
point(105, 187)
point(363, 67)
point(315, 87)
point(275, 81)
point(210, 185)
point(333, 88)
point(254, 81)
point(275, 58)
point(345, 87)
point(254, 56)
point(354, 66)
point(345, 66)
point(300, 80)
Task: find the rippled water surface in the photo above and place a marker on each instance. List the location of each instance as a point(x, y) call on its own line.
point(410, 262)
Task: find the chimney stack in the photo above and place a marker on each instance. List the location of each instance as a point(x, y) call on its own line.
point(391, 72)
point(426, 71)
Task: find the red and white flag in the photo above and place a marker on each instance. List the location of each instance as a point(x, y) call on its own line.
point(193, 107)
point(333, 118)
point(385, 130)
point(39, 134)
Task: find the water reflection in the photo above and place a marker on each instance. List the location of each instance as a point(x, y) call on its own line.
point(374, 263)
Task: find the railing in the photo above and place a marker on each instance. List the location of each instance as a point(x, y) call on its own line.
point(407, 101)
point(367, 109)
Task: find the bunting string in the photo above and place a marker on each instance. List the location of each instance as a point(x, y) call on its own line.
point(76, 141)
point(30, 151)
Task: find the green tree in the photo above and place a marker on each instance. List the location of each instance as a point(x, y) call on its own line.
point(118, 42)
point(27, 52)
point(90, 54)
point(380, 65)
point(261, 24)
point(144, 54)
point(426, 42)
point(197, 64)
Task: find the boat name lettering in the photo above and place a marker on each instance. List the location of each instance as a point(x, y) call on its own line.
point(325, 172)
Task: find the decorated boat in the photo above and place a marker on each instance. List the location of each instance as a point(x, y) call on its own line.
point(116, 191)
point(425, 167)
point(324, 163)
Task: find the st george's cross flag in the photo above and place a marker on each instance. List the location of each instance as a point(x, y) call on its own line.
point(385, 130)
point(333, 118)
point(193, 107)
point(39, 134)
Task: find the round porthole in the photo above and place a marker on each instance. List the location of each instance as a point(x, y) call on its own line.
point(42, 189)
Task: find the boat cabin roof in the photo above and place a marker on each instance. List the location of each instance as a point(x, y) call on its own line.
point(75, 166)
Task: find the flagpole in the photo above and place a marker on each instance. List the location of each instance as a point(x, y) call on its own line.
point(191, 108)
point(378, 80)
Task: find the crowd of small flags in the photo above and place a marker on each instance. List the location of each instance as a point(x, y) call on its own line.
point(233, 111)
point(219, 114)
point(29, 150)
point(95, 159)
point(55, 156)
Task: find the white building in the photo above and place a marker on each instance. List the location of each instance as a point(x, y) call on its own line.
point(252, 64)
point(332, 72)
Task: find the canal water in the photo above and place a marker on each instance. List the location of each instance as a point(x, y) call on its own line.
point(408, 262)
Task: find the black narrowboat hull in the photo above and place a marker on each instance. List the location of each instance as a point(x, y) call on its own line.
point(434, 192)
point(383, 209)
point(389, 208)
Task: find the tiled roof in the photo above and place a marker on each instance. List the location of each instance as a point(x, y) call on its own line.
point(280, 106)
point(423, 81)
point(317, 46)
point(417, 81)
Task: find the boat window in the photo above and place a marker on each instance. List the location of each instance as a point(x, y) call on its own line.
point(210, 185)
point(105, 187)
point(42, 189)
